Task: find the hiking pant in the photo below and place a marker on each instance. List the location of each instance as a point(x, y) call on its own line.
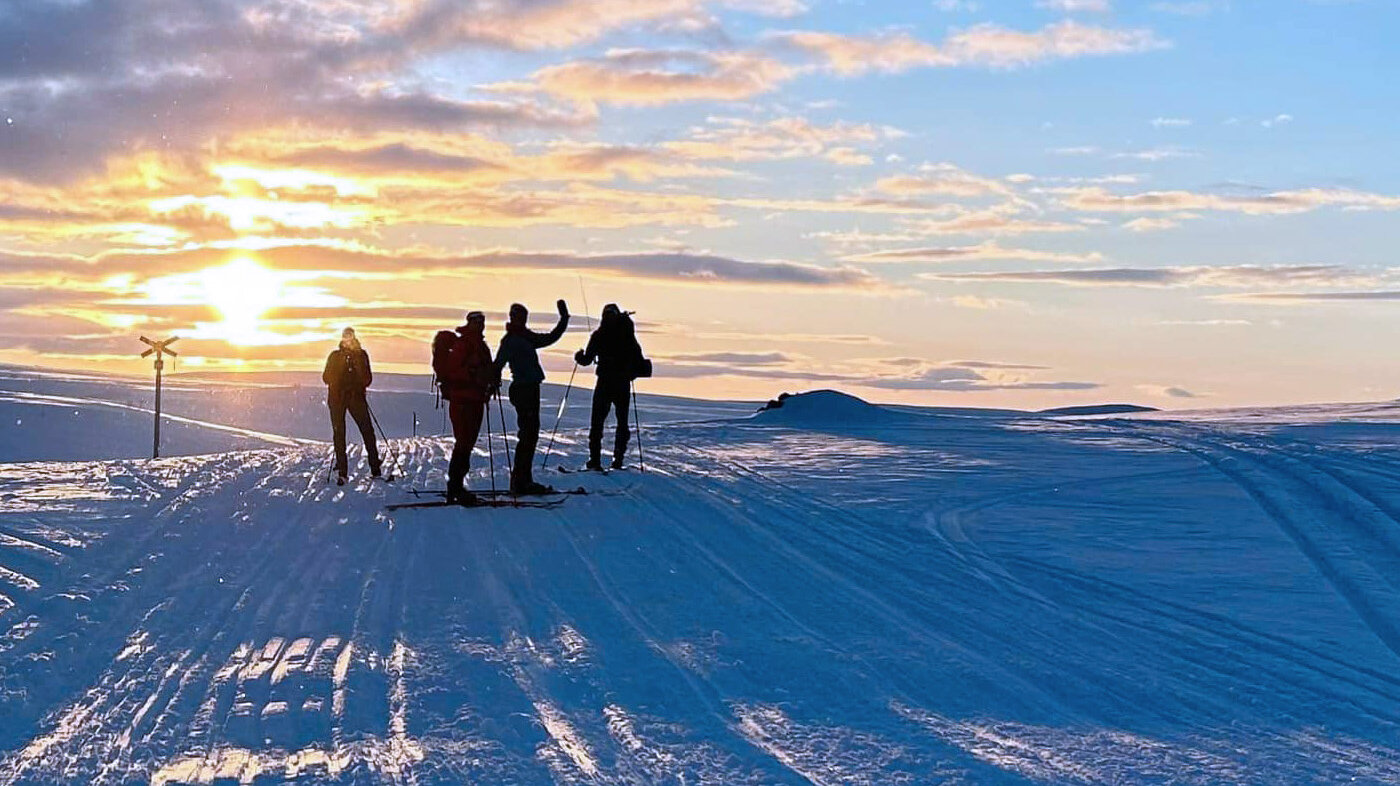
point(358, 407)
point(525, 397)
point(466, 428)
point(609, 394)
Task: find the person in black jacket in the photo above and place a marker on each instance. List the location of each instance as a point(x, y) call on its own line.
point(614, 346)
point(347, 377)
point(520, 349)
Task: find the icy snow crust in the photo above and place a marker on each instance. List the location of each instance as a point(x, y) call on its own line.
point(882, 598)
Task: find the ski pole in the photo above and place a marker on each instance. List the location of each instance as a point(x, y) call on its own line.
point(510, 464)
point(391, 449)
point(558, 417)
point(637, 416)
point(490, 448)
point(587, 315)
point(502, 409)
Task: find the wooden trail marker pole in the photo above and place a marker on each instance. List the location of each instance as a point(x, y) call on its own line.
point(160, 349)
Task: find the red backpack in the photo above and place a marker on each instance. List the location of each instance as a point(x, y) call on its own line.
point(461, 369)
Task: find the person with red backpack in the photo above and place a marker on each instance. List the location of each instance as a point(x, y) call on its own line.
point(466, 379)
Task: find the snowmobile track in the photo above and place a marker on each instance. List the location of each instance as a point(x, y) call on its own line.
point(1346, 556)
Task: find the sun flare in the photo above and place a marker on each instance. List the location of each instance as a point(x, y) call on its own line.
point(245, 295)
point(242, 291)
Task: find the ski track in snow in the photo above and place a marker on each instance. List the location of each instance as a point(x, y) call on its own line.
point(943, 600)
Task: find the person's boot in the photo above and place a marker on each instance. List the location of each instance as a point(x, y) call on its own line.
point(594, 464)
point(527, 487)
point(376, 472)
point(467, 499)
point(617, 462)
point(454, 491)
point(341, 478)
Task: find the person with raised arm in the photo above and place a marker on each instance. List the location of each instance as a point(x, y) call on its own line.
point(519, 349)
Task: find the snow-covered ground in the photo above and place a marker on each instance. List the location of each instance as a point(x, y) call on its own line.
point(829, 593)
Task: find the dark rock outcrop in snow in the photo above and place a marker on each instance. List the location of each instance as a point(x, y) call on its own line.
point(1098, 409)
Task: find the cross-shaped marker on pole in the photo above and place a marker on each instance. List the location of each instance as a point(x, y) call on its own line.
point(160, 349)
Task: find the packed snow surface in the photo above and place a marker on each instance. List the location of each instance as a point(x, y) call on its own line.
point(850, 600)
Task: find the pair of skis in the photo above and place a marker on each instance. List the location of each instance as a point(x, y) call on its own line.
point(488, 499)
point(584, 470)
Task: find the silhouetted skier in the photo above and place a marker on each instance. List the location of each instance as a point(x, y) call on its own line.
point(520, 350)
point(347, 377)
point(466, 377)
point(614, 346)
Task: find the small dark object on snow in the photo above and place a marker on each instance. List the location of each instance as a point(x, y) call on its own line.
point(776, 403)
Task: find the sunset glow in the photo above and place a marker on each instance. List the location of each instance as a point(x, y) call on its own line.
point(988, 204)
point(242, 291)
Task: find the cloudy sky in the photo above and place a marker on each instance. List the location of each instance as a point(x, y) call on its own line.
point(968, 202)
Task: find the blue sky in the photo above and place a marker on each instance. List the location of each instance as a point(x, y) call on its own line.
point(975, 203)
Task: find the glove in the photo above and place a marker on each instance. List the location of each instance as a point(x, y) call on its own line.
point(492, 388)
point(563, 308)
point(580, 358)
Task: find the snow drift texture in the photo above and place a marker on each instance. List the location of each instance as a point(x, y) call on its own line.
point(919, 600)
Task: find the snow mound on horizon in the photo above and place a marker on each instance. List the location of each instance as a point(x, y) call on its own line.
point(826, 408)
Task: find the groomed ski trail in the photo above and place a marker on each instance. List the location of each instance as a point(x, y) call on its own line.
point(760, 607)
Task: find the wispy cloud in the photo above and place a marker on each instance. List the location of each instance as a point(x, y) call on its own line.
point(747, 139)
point(1167, 391)
point(666, 267)
point(1232, 276)
point(1285, 298)
point(942, 179)
point(651, 77)
point(987, 250)
point(983, 45)
point(1076, 6)
point(1099, 200)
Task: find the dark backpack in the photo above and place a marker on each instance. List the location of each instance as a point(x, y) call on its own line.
point(640, 365)
point(443, 361)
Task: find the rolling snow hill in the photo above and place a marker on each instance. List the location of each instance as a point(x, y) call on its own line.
point(962, 599)
point(66, 417)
